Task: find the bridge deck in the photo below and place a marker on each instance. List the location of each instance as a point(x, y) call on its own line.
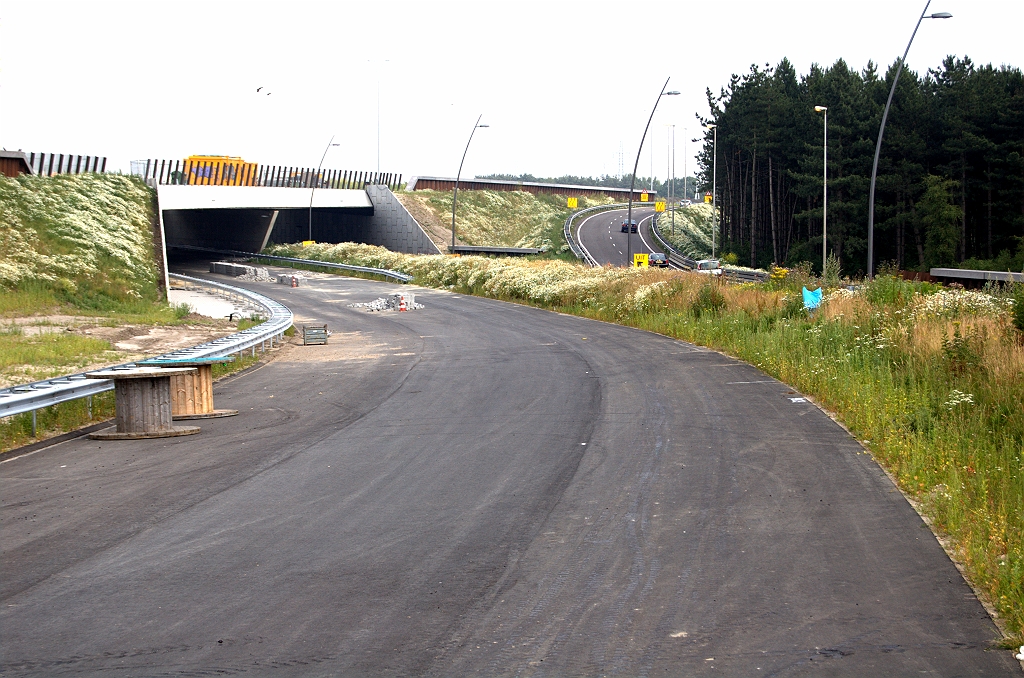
point(258, 197)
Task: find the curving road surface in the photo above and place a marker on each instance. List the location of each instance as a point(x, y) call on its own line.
point(601, 235)
point(480, 488)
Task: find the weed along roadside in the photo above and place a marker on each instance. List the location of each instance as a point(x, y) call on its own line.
point(929, 379)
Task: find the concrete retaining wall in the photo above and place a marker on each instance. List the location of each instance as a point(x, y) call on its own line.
point(393, 227)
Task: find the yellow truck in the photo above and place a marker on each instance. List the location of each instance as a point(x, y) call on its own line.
point(219, 170)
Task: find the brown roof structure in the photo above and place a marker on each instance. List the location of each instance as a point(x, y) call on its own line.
point(14, 163)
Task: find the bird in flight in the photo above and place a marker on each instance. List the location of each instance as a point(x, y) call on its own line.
point(259, 88)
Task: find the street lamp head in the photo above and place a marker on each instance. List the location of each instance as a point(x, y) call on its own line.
point(712, 126)
point(940, 15)
point(819, 109)
point(670, 94)
point(483, 125)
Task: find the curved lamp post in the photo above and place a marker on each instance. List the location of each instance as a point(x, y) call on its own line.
point(315, 179)
point(824, 194)
point(455, 195)
point(632, 183)
point(881, 131)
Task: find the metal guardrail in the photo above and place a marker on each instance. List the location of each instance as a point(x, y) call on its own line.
point(575, 246)
point(30, 397)
point(686, 263)
point(401, 277)
point(675, 257)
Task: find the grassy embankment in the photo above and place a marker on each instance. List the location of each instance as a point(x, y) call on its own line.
point(692, 232)
point(507, 218)
point(72, 245)
point(930, 380)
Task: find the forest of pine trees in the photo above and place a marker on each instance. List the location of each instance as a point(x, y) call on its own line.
point(950, 188)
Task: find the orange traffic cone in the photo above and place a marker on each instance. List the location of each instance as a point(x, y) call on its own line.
point(401, 305)
point(295, 281)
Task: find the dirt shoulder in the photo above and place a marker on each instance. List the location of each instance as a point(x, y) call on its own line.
point(128, 342)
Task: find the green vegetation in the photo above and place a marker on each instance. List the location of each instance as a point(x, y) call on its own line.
point(83, 241)
point(46, 354)
point(929, 379)
point(948, 187)
point(507, 218)
point(52, 421)
point(691, 233)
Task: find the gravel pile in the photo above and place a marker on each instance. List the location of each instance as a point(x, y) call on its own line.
point(258, 274)
point(389, 303)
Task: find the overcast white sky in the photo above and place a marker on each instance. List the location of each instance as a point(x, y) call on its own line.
point(561, 84)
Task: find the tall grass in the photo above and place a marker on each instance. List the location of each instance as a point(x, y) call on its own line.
point(56, 419)
point(930, 380)
point(47, 350)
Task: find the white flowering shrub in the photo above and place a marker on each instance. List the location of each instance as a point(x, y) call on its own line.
point(551, 282)
point(70, 231)
point(692, 232)
point(957, 398)
point(838, 293)
point(955, 303)
point(641, 299)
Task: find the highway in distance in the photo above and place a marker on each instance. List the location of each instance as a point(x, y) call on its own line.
point(601, 235)
point(478, 488)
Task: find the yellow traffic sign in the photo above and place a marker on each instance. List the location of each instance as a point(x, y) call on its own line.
point(307, 243)
point(659, 206)
point(573, 203)
point(643, 197)
point(640, 260)
point(707, 197)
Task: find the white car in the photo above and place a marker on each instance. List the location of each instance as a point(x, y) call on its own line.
point(708, 267)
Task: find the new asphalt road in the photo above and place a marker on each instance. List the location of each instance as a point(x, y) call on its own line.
point(480, 488)
point(601, 235)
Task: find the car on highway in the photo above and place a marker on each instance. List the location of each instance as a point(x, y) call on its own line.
point(630, 228)
point(657, 259)
point(708, 267)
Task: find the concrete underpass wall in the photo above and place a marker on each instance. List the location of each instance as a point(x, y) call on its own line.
point(387, 223)
point(232, 229)
point(393, 227)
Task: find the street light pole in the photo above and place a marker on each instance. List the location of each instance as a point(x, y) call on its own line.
point(686, 191)
point(673, 184)
point(714, 188)
point(632, 183)
point(315, 179)
point(824, 193)
point(455, 195)
point(881, 131)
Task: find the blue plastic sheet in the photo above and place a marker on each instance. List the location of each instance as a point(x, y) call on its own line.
point(812, 299)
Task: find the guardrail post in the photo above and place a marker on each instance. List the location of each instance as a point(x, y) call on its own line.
point(33, 423)
point(88, 406)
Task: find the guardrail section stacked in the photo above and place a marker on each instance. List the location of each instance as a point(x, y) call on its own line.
point(29, 397)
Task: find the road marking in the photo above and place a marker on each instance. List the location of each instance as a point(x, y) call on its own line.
point(798, 400)
point(765, 381)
